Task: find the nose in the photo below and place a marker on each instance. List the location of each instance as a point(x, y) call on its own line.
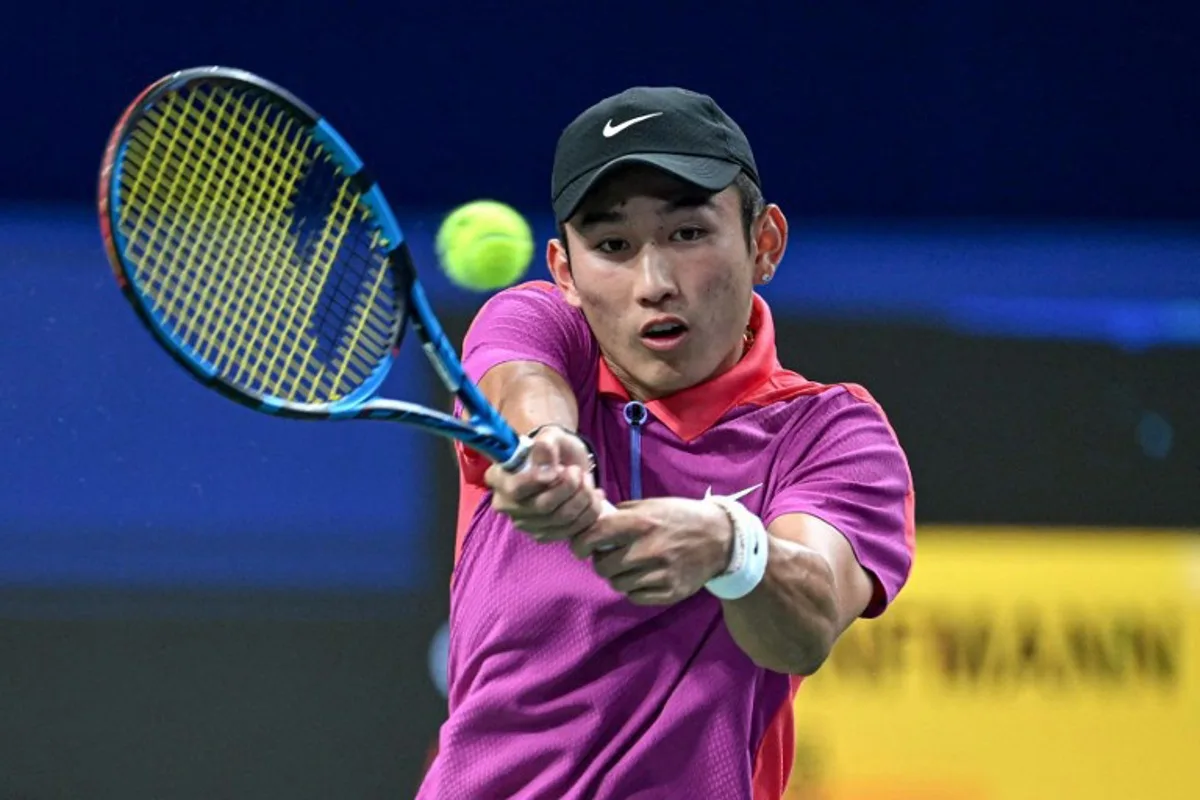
point(656, 279)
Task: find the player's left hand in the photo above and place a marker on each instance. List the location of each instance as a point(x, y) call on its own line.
point(666, 548)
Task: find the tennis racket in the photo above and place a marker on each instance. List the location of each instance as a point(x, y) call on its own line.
point(252, 243)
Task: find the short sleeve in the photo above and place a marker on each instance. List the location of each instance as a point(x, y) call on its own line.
point(843, 464)
point(530, 322)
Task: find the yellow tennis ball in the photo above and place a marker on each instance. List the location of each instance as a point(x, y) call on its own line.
point(484, 245)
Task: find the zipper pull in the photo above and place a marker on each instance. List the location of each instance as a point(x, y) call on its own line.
point(635, 413)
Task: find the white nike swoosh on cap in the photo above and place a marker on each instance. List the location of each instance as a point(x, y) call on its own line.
point(736, 495)
point(611, 130)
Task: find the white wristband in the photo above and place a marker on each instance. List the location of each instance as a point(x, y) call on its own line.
point(748, 563)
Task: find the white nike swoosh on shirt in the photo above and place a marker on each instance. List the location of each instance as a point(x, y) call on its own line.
point(736, 495)
point(611, 130)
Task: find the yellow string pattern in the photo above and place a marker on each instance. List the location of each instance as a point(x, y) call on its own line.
point(253, 248)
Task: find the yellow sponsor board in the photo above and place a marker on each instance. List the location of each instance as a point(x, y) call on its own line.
point(1017, 665)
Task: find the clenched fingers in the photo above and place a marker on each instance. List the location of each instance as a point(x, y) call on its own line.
point(534, 495)
point(563, 509)
point(574, 517)
point(612, 531)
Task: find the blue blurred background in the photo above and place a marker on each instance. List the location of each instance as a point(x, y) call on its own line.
point(995, 210)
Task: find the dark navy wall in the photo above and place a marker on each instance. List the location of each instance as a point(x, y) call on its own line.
point(1018, 107)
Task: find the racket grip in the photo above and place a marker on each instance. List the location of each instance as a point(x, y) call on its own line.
point(520, 457)
point(519, 460)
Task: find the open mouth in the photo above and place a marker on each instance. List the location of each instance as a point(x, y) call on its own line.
point(663, 334)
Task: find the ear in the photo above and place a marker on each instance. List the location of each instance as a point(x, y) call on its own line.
point(559, 264)
point(770, 242)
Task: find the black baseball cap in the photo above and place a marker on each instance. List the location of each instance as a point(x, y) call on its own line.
point(676, 130)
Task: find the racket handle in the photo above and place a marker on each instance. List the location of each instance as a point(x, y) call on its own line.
point(520, 457)
point(519, 460)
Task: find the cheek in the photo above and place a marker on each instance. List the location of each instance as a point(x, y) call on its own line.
point(726, 283)
point(604, 306)
point(596, 303)
point(725, 294)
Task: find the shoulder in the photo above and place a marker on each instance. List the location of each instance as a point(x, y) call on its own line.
point(505, 315)
point(541, 298)
point(834, 397)
point(839, 459)
point(796, 397)
point(787, 386)
point(534, 310)
point(832, 418)
point(531, 322)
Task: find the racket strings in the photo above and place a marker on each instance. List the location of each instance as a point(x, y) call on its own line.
point(253, 248)
point(322, 255)
point(206, 233)
point(355, 301)
point(216, 238)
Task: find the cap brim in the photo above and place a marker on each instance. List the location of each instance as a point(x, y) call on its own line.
point(713, 174)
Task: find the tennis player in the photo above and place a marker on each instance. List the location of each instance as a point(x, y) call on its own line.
point(655, 651)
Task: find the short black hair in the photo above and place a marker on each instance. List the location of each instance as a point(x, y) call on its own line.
point(752, 203)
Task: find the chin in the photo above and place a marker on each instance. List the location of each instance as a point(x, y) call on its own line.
point(663, 380)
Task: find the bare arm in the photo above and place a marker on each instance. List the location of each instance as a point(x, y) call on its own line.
point(851, 485)
point(529, 394)
point(813, 589)
point(555, 497)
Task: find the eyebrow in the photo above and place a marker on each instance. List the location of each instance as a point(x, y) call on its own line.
point(679, 202)
point(591, 219)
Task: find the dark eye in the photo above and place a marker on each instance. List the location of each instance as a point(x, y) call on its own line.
point(690, 234)
point(611, 246)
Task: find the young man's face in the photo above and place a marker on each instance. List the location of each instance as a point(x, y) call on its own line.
point(664, 274)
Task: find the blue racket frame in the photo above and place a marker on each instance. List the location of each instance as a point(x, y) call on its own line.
point(484, 431)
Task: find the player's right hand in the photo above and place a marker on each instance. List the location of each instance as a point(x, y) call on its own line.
point(553, 498)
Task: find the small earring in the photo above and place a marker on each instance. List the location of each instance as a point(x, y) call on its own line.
point(766, 277)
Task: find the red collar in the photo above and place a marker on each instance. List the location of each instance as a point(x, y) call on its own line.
point(690, 412)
